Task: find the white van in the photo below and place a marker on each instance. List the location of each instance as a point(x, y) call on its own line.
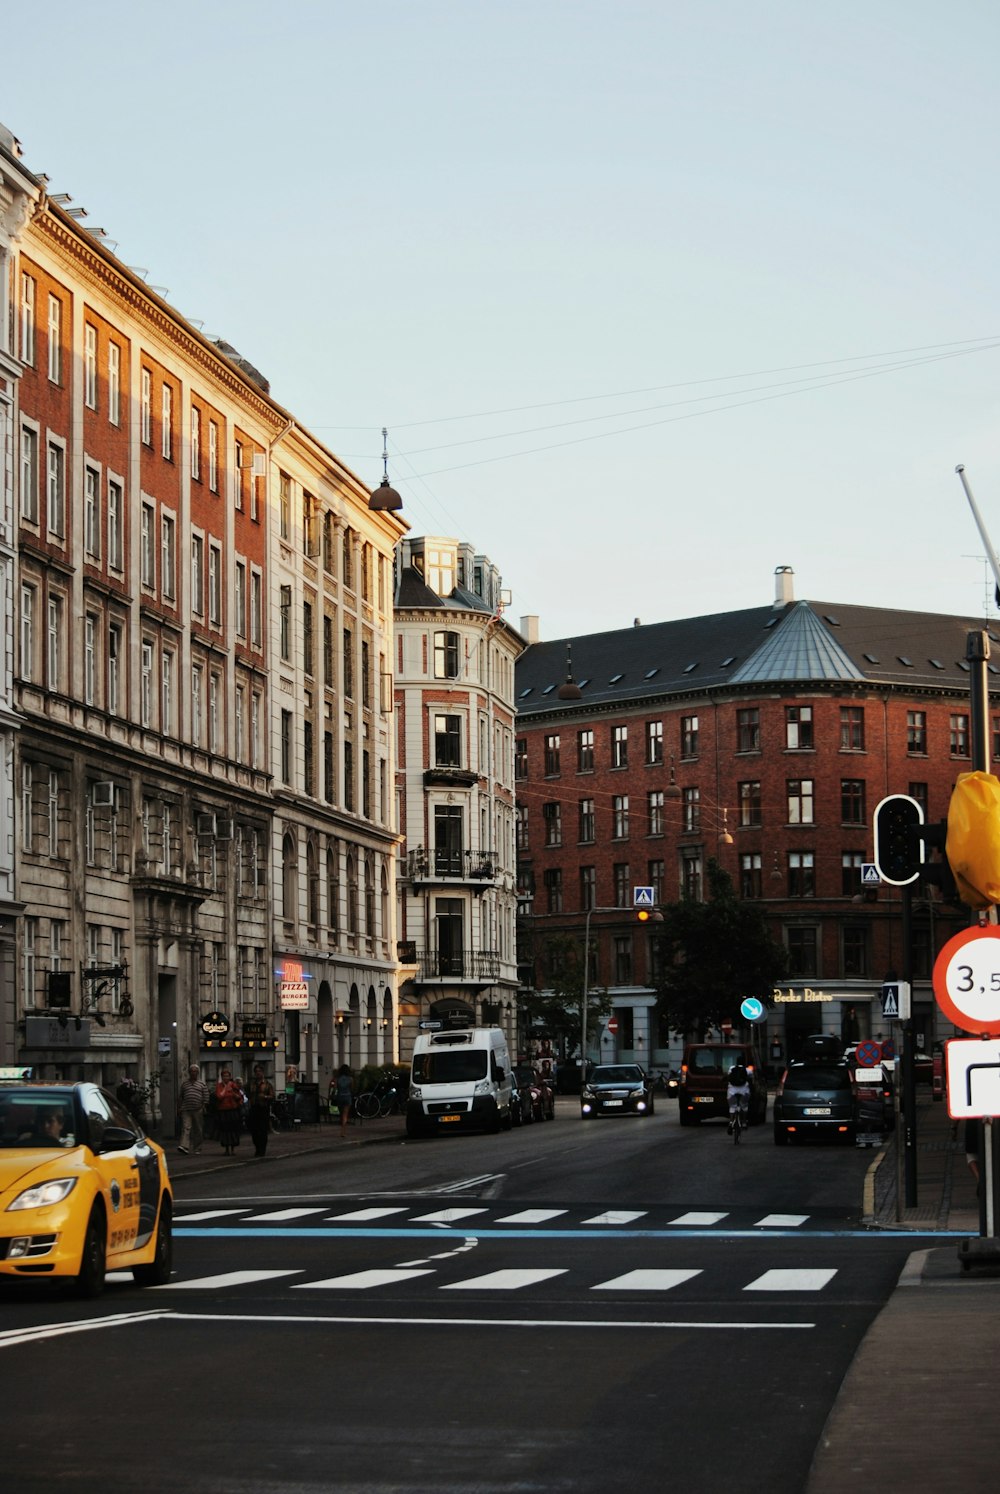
point(459, 1079)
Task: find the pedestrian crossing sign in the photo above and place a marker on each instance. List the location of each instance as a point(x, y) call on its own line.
point(642, 897)
point(869, 874)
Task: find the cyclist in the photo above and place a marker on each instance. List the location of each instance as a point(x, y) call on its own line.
point(738, 1092)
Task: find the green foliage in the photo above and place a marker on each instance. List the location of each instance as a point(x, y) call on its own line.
point(555, 1011)
point(715, 954)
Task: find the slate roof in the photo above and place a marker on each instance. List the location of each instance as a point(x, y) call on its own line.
point(802, 644)
point(414, 592)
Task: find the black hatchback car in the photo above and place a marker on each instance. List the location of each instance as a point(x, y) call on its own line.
point(616, 1089)
point(815, 1098)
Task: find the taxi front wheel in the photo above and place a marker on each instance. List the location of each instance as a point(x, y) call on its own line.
point(93, 1262)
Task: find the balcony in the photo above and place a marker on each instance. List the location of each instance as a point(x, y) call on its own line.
point(479, 868)
point(447, 777)
point(458, 967)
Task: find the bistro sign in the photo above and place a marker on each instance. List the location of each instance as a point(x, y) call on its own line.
point(795, 998)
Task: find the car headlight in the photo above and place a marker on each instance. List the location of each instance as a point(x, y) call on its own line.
point(42, 1195)
point(484, 1087)
point(589, 1092)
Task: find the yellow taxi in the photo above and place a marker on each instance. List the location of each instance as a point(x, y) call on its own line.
point(82, 1189)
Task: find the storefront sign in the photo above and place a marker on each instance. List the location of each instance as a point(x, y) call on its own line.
point(49, 1032)
point(215, 1025)
point(254, 1031)
point(797, 997)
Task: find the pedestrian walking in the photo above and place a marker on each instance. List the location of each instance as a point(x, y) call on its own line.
point(343, 1096)
point(192, 1103)
point(229, 1110)
point(261, 1099)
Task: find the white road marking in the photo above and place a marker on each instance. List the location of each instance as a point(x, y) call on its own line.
point(362, 1214)
point(791, 1281)
point(781, 1221)
point(11, 1337)
point(645, 1281)
point(361, 1281)
point(276, 1216)
point(326, 1320)
point(207, 1214)
point(531, 1216)
point(696, 1221)
point(446, 1216)
point(224, 1279)
point(617, 1216)
point(510, 1280)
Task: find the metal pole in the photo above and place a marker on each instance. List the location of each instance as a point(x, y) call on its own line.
point(586, 996)
point(909, 1063)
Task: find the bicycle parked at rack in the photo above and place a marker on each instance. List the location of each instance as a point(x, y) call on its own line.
point(384, 1099)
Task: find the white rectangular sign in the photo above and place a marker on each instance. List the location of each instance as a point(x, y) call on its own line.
point(294, 995)
point(973, 1069)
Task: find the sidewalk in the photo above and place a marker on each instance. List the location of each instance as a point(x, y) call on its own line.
point(321, 1137)
point(917, 1409)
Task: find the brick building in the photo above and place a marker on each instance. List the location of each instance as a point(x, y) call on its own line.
point(763, 739)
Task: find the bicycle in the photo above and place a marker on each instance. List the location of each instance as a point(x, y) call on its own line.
point(739, 1120)
point(383, 1100)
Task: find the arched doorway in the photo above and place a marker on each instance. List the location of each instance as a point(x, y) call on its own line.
point(324, 1024)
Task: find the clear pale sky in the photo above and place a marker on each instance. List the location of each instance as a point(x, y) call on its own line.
point(716, 278)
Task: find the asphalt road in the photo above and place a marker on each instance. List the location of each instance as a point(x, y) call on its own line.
point(567, 1307)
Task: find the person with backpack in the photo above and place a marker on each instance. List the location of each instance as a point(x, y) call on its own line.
point(738, 1092)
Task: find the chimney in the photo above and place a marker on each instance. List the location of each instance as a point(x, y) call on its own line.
point(784, 587)
point(529, 628)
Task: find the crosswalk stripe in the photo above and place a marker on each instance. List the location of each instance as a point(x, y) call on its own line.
point(224, 1279)
point(510, 1280)
point(363, 1214)
point(696, 1220)
point(532, 1216)
point(791, 1281)
point(362, 1281)
point(446, 1216)
point(207, 1214)
point(652, 1280)
point(617, 1216)
point(781, 1221)
point(276, 1215)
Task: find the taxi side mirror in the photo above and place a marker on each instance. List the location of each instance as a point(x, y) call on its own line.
point(117, 1139)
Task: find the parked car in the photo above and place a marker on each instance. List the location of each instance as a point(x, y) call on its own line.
point(873, 1093)
point(82, 1189)
point(704, 1080)
point(616, 1089)
point(815, 1098)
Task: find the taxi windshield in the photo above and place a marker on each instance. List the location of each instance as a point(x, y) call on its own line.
point(36, 1118)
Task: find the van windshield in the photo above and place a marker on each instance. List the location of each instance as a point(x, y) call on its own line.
point(451, 1067)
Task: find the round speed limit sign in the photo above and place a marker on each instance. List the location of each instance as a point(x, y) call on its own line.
point(967, 980)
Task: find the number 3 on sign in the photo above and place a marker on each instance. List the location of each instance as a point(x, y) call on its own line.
point(967, 980)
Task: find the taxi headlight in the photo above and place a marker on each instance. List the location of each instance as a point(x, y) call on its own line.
point(42, 1195)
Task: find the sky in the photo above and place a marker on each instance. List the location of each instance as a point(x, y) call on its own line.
point(651, 298)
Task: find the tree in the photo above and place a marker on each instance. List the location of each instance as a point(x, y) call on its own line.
point(715, 954)
point(556, 1008)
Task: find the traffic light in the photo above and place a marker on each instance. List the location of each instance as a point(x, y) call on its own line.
point(648, 915)
point(899, 849)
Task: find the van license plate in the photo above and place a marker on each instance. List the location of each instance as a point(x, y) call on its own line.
point(816, 1110)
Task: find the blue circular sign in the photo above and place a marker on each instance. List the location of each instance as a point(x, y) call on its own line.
point(752, 1009)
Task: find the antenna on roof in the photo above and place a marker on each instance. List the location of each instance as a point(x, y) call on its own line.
point(991, 554)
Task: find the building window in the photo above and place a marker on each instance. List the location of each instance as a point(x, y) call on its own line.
point(446, 656)
point(146, 409)
point(802, 950)
point(521, 827)
point(284, 505)
point(213, 456)
point(691, 873)
point(115, 520)
point(349, 776)
point(56, 490)
point(55, 340)
point(168, 556)
point(55, 643)
point(215, 584)
point(851, 863)
point(553, 889)
point(521, 758)
point(89, 659)
point(654, 810)
point(916, 732)
point(147, 562)
point(29, 474)
point(27, 633)
point(799, 728)
point(619, 817)
point(588, 888)
point(286, 747)
point(588, 821)
point(197, 704)
point(751, 883)
point(800, 801)
point(623, 960)
point(801, 874)
point(689, 736)
point(750, 803)
point(855, 950)
point(214, 734)
point(53, 813)
point(654, 741)
point(197, 575)
point(90, 367)
point(348, 663)
point(167, 693)
point(28, 320)
point(552, 755)
point(959, 735)
point(28, 966)
point(167, 423)
point(691, 810)
point(852, 801)
point(92, 512)
point(146, 682)
point(622, 878)
point(114, 666)
point(584, 751)
point(852, 728)
point(619, 746)
point(748, 730)
point(114, 383)
point(552, 819)
point(448, 741)
point(240, 606)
